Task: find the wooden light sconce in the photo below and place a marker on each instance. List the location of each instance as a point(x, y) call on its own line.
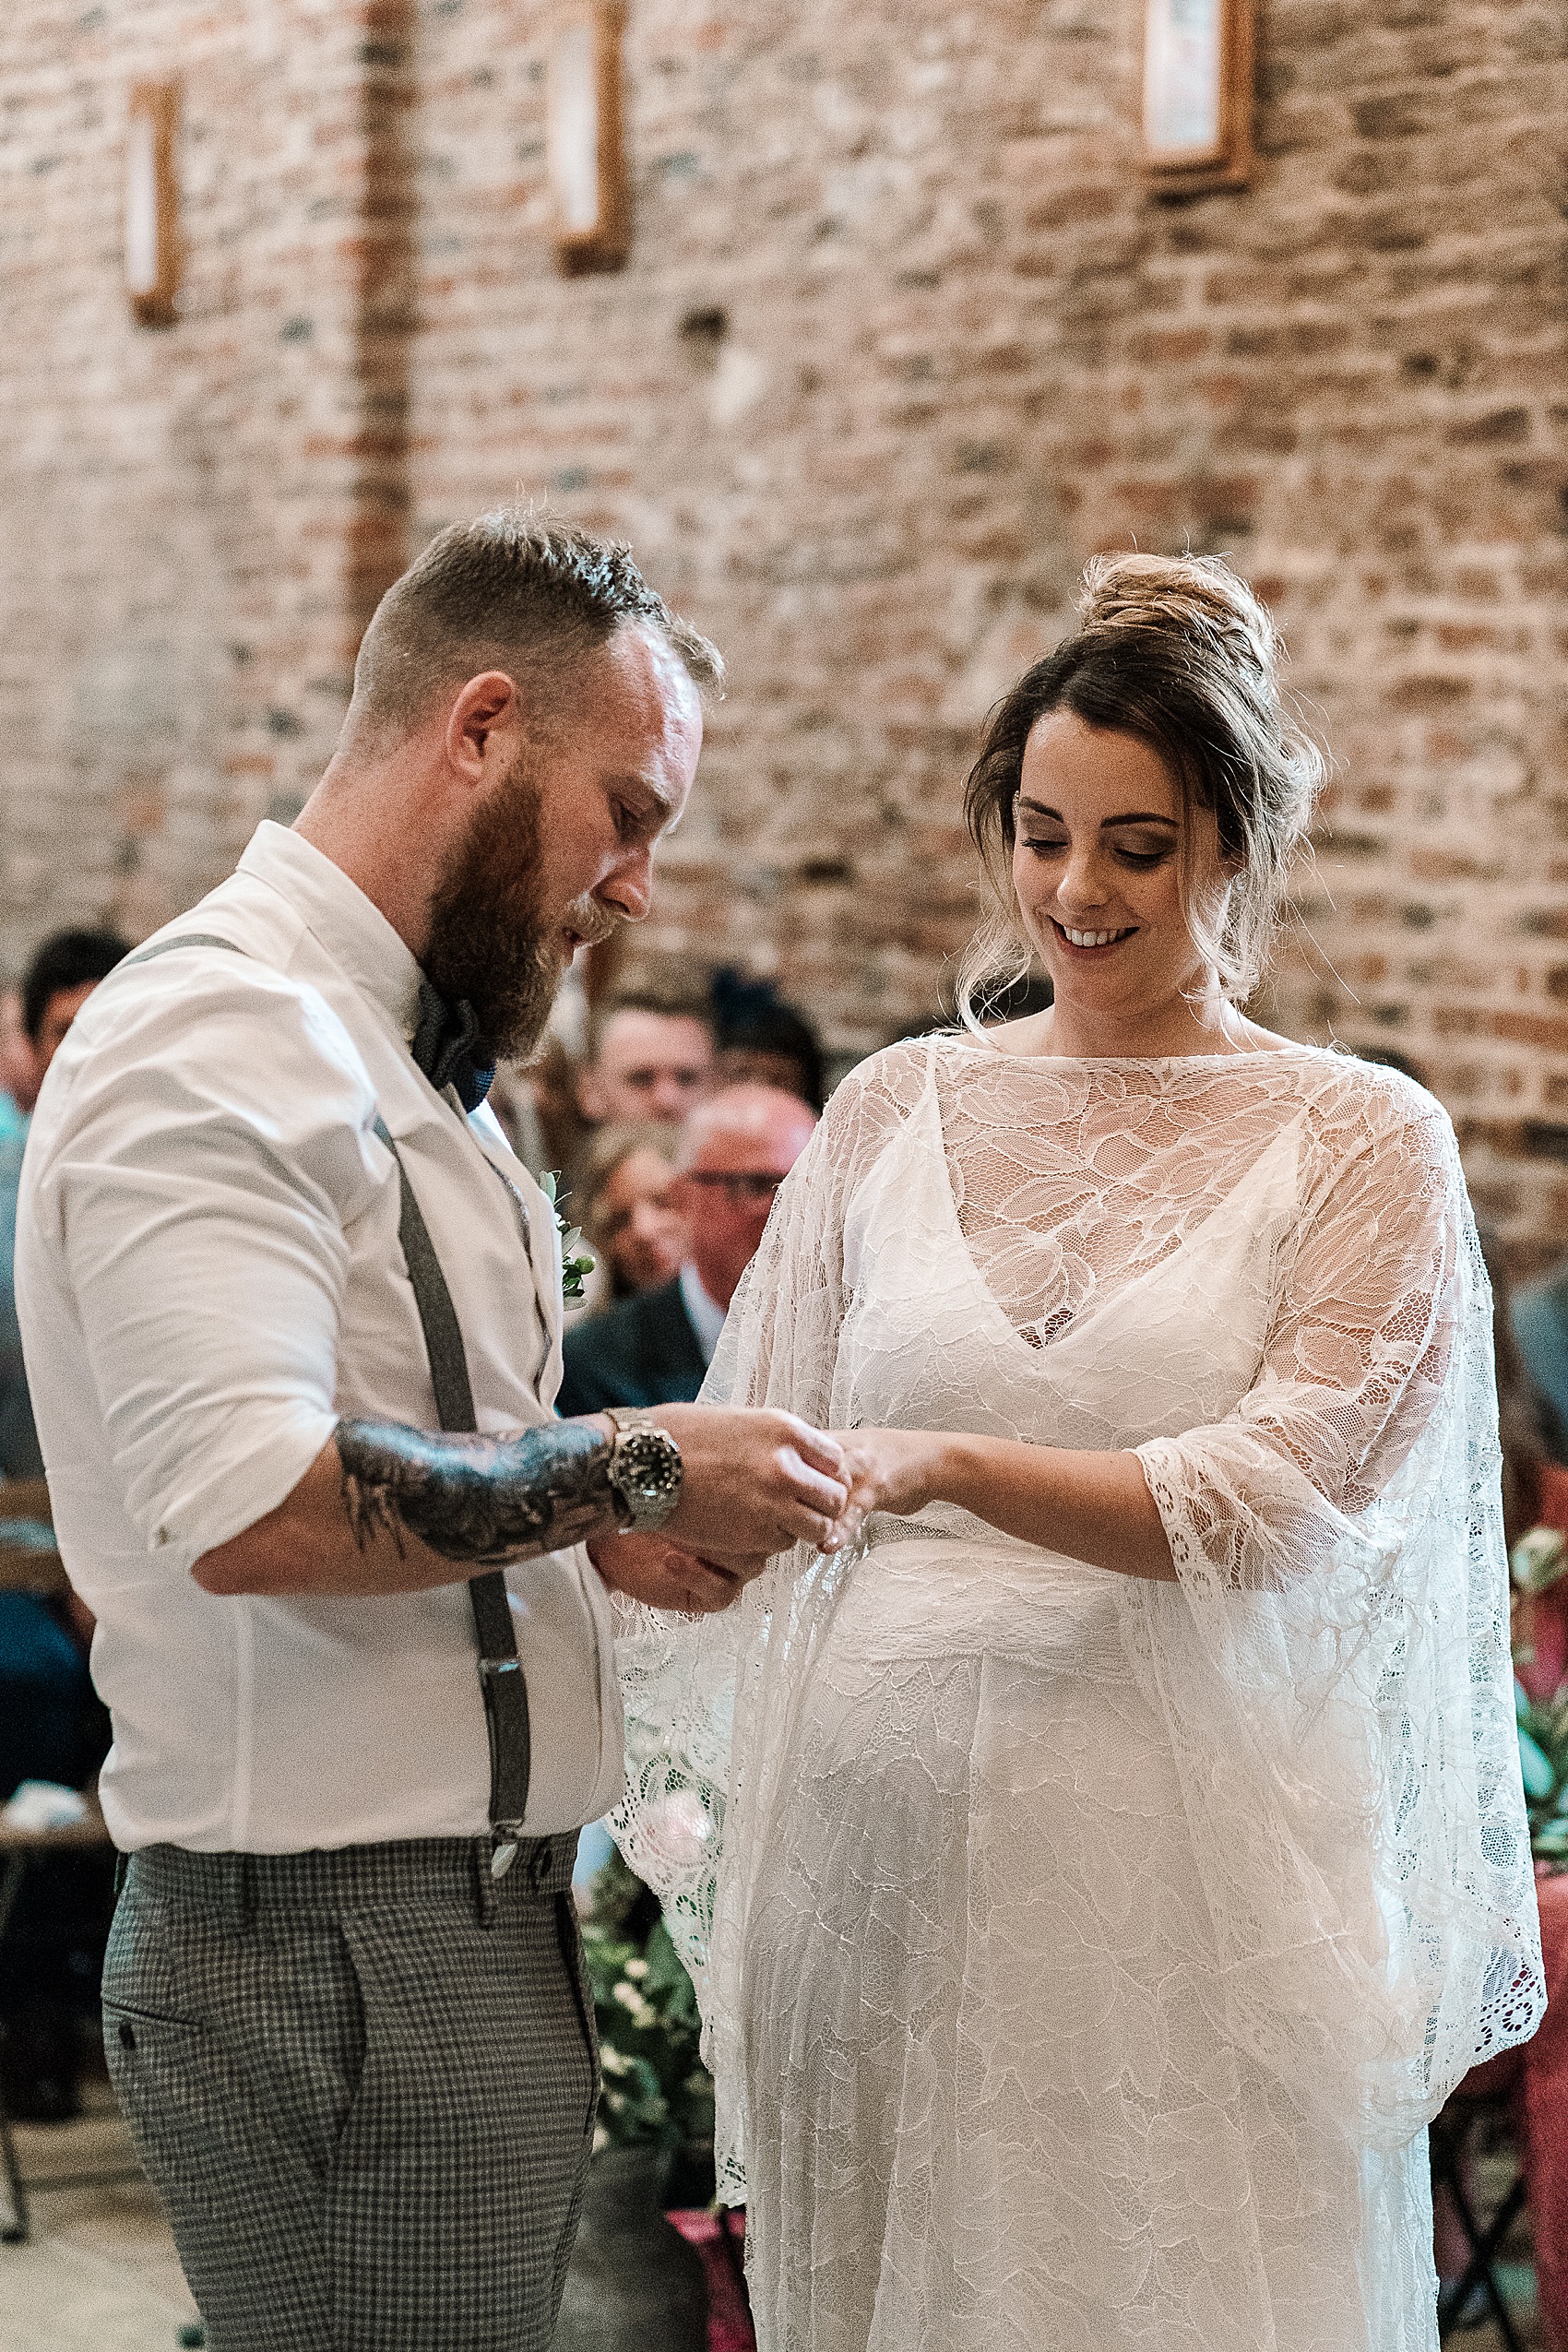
point(153, 226)
point(1198, 94)
point(589, 188)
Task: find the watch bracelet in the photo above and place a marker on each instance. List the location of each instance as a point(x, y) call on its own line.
point(633, 1421)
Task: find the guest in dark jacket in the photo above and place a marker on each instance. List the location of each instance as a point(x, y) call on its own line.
point(653, 1348)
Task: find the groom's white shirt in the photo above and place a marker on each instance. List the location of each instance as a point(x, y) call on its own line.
point(208, 1276)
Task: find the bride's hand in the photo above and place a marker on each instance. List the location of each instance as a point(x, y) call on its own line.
point(888, 1469)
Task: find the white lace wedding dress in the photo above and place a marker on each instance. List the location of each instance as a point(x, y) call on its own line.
point(1081, 1957)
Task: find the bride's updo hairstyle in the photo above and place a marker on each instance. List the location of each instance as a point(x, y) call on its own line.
point(1177, 651)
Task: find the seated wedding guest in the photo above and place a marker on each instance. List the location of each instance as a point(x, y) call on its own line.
point(553, 1081)
point(654, 1349)
point(1533, 1486)
point(65, 970)
point(650, 1057)
point(19, 1086)
point(52, 1726)
point(63, 974)
point(512, 1099)
point(764, 1042)
point(624, 1202)
point(1538, 1314)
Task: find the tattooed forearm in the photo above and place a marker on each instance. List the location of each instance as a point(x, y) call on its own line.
point(480, 1499)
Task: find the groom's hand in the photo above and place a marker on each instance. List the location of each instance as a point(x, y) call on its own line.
point(754, 1483)
point(665, 1576)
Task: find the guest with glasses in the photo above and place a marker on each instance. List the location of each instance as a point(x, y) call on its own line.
point(654, 1349)
point(742, 1187)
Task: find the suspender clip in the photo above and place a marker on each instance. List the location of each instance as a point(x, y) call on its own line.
point(507, 1835)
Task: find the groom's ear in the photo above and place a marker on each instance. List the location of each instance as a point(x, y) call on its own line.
point(483, 717)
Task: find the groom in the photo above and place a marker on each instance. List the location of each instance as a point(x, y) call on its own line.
point(292, 1321)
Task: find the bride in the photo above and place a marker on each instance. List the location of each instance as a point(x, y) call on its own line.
point(1096, 1877)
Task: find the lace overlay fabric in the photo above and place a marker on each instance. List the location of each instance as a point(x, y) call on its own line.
point(1080, 1956)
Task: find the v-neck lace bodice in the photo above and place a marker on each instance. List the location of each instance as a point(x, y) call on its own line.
point(1169, 1237)
point(1071, 1179)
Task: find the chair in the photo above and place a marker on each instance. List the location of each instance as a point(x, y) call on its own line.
point(1488, 2097)
point(28, 1564)
point(20, 1849)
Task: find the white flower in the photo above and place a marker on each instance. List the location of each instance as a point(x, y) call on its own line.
point(680, 1829)
point(641, 2012)
point(1538, 1559)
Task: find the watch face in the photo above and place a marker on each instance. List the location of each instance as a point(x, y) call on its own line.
point(648, 1466)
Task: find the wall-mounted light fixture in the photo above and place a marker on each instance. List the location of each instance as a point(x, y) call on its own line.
point(589, 183)
point(152, 225)
point(1198, 94)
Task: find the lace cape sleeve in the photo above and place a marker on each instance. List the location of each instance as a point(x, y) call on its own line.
point(682, 1677)
point(1334, 1664)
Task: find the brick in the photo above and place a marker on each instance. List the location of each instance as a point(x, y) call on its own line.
point(984, 355)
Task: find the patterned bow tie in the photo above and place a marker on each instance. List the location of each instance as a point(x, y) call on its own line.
point(443, 1045)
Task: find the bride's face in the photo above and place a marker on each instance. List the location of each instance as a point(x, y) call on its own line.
point(1096, 866)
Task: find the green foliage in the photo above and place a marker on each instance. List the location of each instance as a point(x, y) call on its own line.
point(1540, 1561)
point(575, 1262)
point(656, 2088)
point(1543, 1756)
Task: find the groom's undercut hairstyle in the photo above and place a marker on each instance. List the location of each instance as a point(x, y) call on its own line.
point(513, 592)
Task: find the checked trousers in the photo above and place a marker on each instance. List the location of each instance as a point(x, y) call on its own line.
point(363, 2084)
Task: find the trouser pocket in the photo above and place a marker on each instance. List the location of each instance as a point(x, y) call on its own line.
point(576, 1961)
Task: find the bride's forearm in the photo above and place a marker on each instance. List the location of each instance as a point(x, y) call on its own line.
point(1095, 1507)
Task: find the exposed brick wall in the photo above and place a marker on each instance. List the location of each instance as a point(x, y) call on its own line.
point(189, 514)
point(960, 350)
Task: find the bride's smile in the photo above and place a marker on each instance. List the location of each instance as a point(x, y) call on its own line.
point(1104, 855)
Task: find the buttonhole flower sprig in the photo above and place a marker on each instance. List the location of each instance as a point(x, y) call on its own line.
point(575, 1262)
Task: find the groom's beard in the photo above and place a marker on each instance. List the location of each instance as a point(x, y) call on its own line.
point(492, 940)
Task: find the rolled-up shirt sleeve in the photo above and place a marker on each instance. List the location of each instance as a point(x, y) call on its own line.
point(196, 1187)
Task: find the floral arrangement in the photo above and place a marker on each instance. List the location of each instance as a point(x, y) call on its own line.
point(575, 1262)
point(1538, 1559)
point(657, 2091)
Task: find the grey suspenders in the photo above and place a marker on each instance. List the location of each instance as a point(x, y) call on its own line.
point(500, 1669)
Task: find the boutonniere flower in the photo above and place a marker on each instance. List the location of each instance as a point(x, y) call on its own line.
point(575, 1262)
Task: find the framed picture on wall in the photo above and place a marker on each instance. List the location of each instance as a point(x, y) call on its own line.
point(152, 223)
point(589, 190)
point(1198, 94)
